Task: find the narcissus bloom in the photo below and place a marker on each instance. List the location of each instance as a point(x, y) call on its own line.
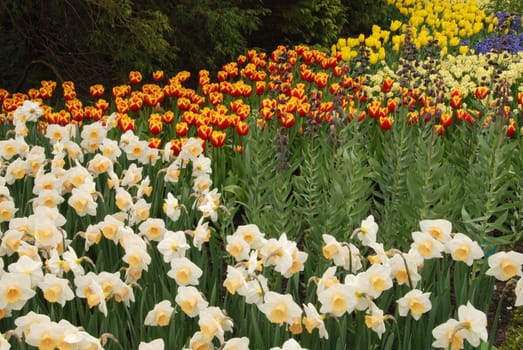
point(236, 344)
point(160, 315)
point(184, 271)
point(214, 323)
point(368, 231)
point(157, 344)
point(280, 308)
point(375, 320)
point(474, 324)
point(236, 280)
point(505, 265)
point(462, 248)
point(313, 320)
point(426, 245)
point(439, 229)
point(289, 344)
point(416, 302)
point(190, 300)
point(337, 300)
point(56, 290)
point(448, 336)
point(15, 290)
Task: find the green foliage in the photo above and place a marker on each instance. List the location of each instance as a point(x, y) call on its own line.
point(210, 33)
point(85, 41)
point(303, 22)
point(363, 14)
point(510, 6)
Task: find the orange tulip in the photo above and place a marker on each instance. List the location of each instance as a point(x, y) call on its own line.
point(102, 104)
point(386, 122)
point(260, 88)
point(481, 92)
point(222, 75)
point(96, 90)
point(125, 122)
point(287, 120)
point(439, 129)
point(321, 79)
point(446, 119)
point(45, 92)
point(158, 75)
point(373, 108)
point(135, 102)
point(155, 142)
point(155, 126)
point(181, 128)
point(455, 101)
point(135, 77)
point(176, 146)
point(168, 117)
point(387, 85)
point(218, 138)
point(242, 128)
point(183, 103)
point(204, 131)
point(511, 128)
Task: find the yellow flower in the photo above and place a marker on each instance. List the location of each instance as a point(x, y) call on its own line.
point(463, 49)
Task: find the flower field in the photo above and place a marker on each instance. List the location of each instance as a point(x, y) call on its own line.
point(369, 197)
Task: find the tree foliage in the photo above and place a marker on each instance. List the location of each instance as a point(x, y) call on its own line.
point(100, 41)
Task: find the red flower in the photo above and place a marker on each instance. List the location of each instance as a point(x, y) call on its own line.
point(204, 131)
point(303, 109)
point(439, 129)
point(176, 146)
point(183, 103)
point(135, 102)
point(96, 90)
point(45, 93)
point(413, 118)
point(69, 94)
point(216, 98)
point(481, 92)
point(135, 77)
point(189, 117)
point(102, 104)
point(155, 142)
point(287, 120)
point(321, 79)
point(511, 128)
point(455, 101)
point(260, 88)
point(446, 119)
point(222, 75)
point(387, 85)
point(218, 138)
point(155, 126)
point(386, 122)
point(373, 108)
point(182, 128)
point(158, 75)
point(125, 122)
point(242, 128)
point(392, 105)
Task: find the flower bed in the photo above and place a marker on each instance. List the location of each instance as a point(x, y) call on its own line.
point(297, 199)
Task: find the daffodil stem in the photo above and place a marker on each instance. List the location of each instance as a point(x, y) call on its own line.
point(496, 318)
